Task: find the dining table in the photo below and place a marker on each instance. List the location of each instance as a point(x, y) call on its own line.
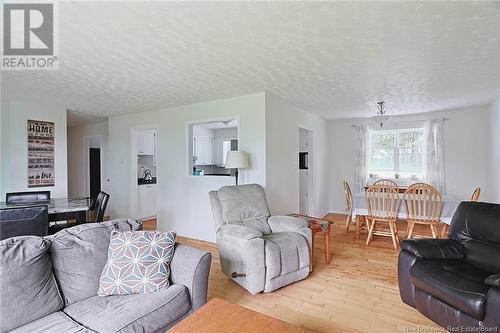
point(59, 209)
point(450, 204)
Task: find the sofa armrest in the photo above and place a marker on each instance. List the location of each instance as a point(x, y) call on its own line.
point(190, 267)
point(239, 231)
point(279, 223)
point(493, 280)
point(433, 248)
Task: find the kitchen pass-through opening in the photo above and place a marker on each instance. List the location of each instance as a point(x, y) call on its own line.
point(210, 142)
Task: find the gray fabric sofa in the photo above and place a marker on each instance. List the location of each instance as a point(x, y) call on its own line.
point(258, 251)
point(50, 285)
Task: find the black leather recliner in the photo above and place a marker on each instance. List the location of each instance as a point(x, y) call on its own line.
point(455, 282)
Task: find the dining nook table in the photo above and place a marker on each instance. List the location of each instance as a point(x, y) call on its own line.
point(450, 204)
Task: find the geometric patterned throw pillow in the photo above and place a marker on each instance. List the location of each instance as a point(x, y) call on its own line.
point(138, 262)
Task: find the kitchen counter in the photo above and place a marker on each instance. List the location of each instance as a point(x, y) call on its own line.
point(142, 181)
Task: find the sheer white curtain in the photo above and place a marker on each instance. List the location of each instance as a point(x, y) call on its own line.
point(361, 156)
point(434, 154)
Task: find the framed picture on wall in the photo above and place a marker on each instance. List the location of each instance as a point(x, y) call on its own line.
point(41, 136)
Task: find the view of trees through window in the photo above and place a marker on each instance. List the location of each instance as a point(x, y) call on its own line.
point(396, 153)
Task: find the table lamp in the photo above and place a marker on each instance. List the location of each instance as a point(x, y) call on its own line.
point(236, 159)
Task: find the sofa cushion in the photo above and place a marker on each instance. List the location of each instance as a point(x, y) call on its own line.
point(285, 252)
point(483, 255)
point(132, 313)
point(456, 283)
point(243, 203)
point(477, 226)
point(259, 224)
point(79, 254)
point(138, 262)
point(28, 289)
point(56, 322)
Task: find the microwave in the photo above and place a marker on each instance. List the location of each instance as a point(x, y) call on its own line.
point(303, 161)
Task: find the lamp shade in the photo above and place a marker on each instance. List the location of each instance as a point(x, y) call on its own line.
point(236, 159)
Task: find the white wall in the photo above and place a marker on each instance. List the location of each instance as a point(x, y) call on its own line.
point(202, 131)
point(15, 146)
point(495, 150)
point(466, 148)
point(78, 157)
point(183, 200)
point(282, 141)
point(226, 133)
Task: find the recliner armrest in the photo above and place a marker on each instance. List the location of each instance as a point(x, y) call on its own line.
point(280, 223)
point(239, 231)
point(493, 280)
point(433, 248)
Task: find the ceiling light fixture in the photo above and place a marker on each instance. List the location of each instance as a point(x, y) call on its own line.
point(381, 118)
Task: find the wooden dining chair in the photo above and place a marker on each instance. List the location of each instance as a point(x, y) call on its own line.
point(474, 197)
point(386, 182)
point(476, 194)
point(348, 205)
point(423, 204)
point(382, 201)
point(358, 220)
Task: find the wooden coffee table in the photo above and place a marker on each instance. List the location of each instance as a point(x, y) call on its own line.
point(219, 316)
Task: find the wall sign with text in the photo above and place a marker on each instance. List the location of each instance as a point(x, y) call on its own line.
point(41, 136)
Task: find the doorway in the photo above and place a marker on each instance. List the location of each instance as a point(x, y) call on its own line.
point(305, 172)
point(95, 172)
point(144, 188)
point(93, 166)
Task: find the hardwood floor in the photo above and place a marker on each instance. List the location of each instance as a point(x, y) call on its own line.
point(356, 292)
point(149, 224)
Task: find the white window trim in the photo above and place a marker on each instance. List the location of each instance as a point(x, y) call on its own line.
point(374, 176)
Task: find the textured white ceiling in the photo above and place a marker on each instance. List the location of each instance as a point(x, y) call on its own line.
point(333, 58)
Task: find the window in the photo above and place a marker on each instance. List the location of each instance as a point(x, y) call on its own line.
point(209, 144)
point(396, 153)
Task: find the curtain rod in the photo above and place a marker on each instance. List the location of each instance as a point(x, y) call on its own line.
point(407, 121)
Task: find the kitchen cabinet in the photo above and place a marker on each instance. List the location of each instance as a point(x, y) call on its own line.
point(203, 149)
point(147, 200)
point(154, 149)
point(303, 140)
point(146, 142)
point(303, 192)
point(218, 151)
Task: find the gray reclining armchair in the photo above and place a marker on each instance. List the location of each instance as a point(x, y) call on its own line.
point(258, 251)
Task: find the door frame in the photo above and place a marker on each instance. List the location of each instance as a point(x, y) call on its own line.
point(134, 187)
point(311, 209)
point(86, 161)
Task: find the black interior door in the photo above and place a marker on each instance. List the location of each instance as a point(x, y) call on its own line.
point(95, 172)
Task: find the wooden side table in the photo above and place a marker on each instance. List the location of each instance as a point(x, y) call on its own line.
point(319, 225)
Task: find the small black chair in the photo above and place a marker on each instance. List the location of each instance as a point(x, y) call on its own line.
point(99, 206)
point(14, 198)
point(24, 221)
